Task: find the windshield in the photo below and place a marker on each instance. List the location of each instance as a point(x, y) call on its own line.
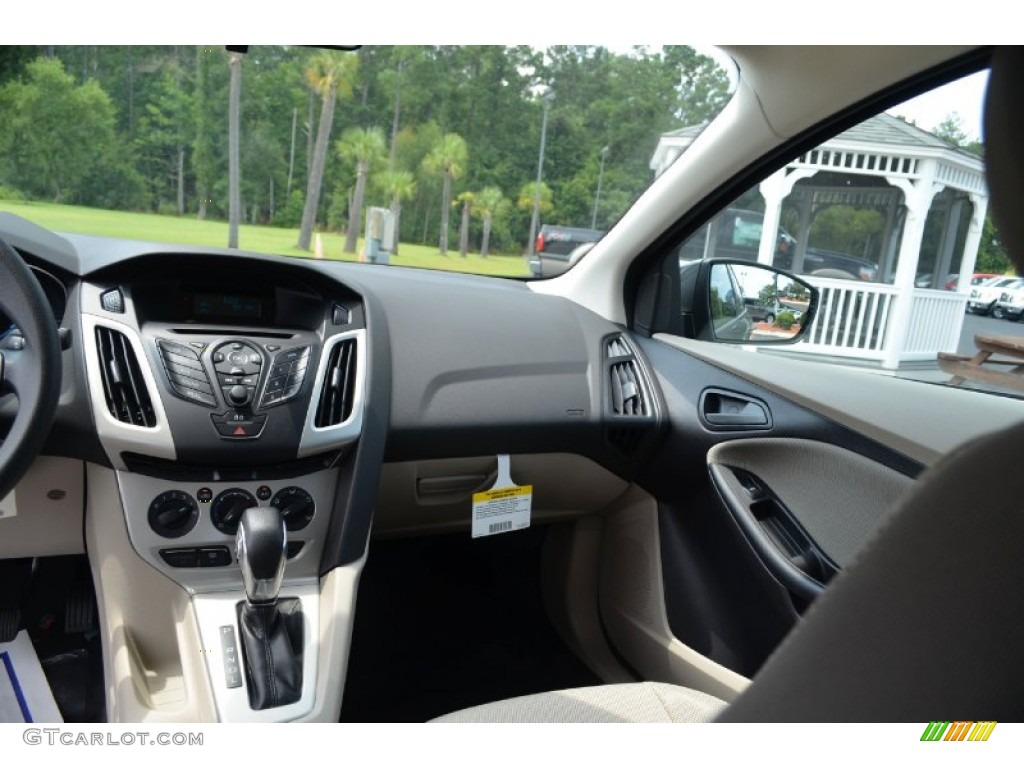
point(488, 159)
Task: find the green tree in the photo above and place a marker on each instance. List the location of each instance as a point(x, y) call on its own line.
point(849, 229)
point(448, 158)
point(951, 129)
point(466, 201)
point(328, 75)
point(393, 80)
point(991, 256)
point(53, 132)
point(703, 86)
point(527, 194)
point(207, 102)
point(363, 146)
point(398, 186)
point(160, 145)
point(489, 205)
point(263, 172)
point(13, 60)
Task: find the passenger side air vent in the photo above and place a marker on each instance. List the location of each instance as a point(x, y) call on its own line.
point(125, 390)
point(338, 387)
point(627, 396)
point(617, 348)
point(630, 408)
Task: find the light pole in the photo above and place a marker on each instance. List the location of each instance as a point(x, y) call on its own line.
point(597, 197)
point(548, 97)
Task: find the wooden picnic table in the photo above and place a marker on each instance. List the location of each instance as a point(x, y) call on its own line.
point(980, 367)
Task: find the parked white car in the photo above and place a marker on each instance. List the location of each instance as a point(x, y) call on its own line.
point(983, 298)
point(1010, 305)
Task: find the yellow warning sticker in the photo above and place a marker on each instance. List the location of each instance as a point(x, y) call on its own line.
point(501, 510)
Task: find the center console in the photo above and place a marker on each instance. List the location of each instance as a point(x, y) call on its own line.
point(218, 396)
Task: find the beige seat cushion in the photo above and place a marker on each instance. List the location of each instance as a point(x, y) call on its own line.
point(627, 703)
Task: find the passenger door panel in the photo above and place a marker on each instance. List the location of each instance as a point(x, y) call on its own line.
point(804, 507)
point(732, 589)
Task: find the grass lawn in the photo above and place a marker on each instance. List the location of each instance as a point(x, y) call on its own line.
point(190, 231)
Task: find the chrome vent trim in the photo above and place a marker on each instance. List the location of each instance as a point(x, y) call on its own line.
point(335, 414)
point(337, 388)
point(118, 436)
point(127, 396)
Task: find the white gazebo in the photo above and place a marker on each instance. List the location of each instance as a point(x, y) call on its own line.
point(910, 178)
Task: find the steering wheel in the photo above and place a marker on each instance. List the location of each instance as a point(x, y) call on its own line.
point(29, 367)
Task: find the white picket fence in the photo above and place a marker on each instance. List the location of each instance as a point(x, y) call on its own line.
point(855, 320)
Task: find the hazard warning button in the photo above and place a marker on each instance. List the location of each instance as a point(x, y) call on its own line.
point(238, 426)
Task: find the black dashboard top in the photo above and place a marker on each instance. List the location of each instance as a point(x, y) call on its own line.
point(457, 365)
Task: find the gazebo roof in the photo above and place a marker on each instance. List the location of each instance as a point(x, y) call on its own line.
point(889, 129)
point(881, 130)
point(689, 132)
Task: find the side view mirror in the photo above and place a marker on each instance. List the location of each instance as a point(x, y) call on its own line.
point(737, 301)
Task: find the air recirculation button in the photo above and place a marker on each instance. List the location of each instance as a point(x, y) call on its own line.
point(172, 514)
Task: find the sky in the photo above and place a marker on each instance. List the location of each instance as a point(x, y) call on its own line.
point(964, 96)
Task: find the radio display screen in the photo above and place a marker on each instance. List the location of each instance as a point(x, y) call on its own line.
point(206, 307)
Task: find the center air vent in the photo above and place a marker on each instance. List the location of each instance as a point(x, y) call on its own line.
point(125, 390)
point(337, 392)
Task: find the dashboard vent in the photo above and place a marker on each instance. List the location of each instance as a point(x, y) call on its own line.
point(630, 407)
point(339, 383)
point(617, 348)
point(627, 393)
point(123, 386)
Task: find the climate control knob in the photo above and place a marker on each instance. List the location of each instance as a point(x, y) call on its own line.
point(296, 505)
point(226, 510)
point(172, 514)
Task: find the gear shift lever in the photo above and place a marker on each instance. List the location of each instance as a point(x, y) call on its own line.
point(271, 629)
point(262, 546)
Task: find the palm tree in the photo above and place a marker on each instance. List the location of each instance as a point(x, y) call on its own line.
point(328, 74)
point(489, 204)
point(448, 157)
point(399, 185)
point(234, 185)
point(364, 146)
point(528, 195)
point(466, 201)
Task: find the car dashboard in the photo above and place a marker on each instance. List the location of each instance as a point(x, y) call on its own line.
point(198, 383)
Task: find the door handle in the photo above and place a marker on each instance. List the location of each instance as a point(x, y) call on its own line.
point(721, 409)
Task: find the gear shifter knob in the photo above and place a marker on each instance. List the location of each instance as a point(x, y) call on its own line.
point(262, 547)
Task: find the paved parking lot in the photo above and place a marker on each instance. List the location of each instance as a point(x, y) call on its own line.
point(974, 324)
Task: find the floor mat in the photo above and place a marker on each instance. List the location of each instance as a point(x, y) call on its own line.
point(60, 616)
point(447, 622)
point(24, 693)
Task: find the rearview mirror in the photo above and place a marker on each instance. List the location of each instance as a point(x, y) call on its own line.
point(744, 302)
